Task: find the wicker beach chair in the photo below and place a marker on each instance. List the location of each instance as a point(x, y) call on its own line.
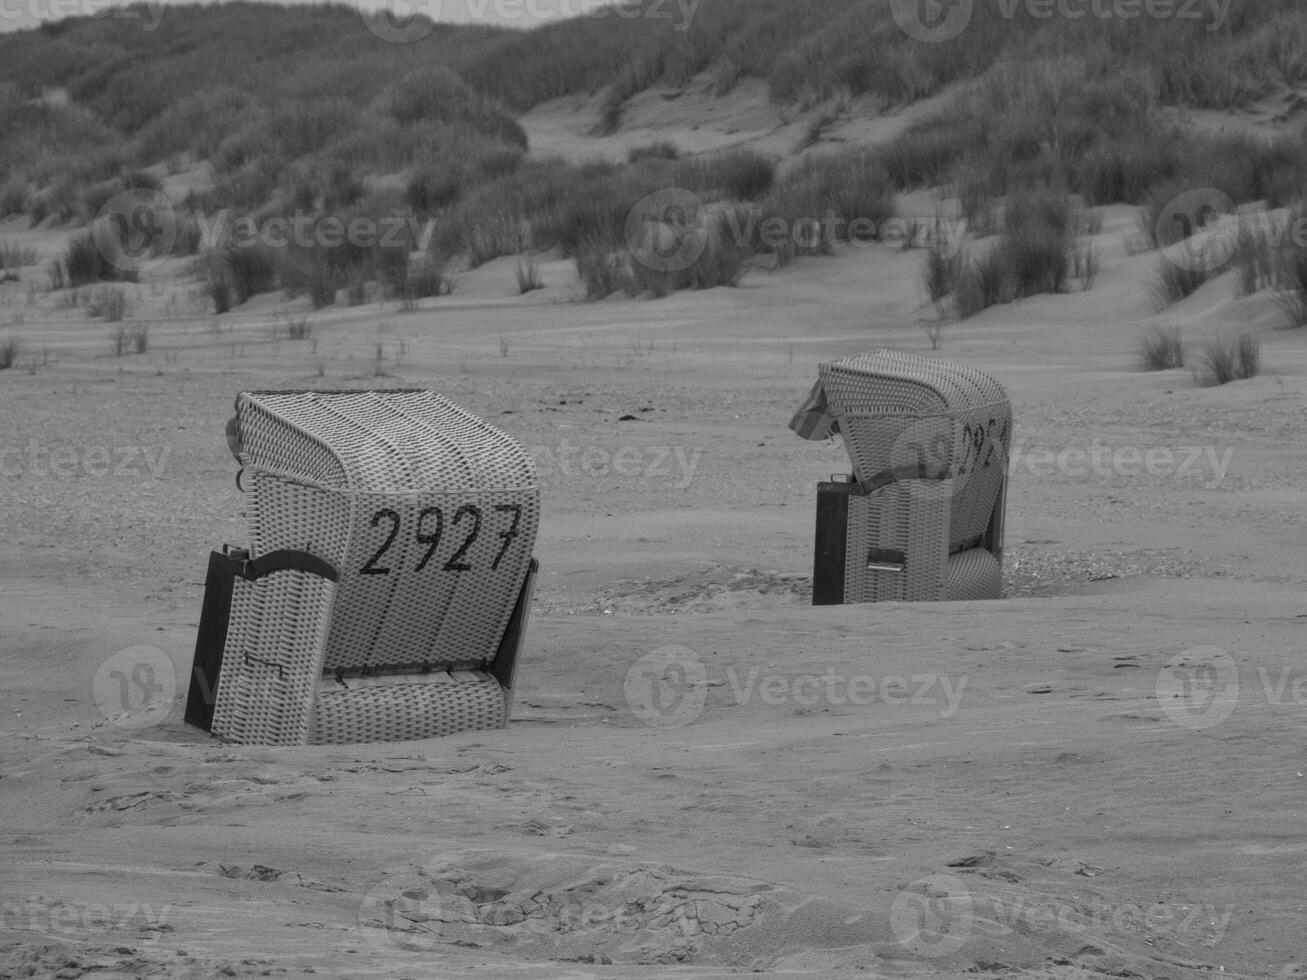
point(921, 517)
point(386, 588)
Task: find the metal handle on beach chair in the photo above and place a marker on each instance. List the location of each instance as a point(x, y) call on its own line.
point(886, 560)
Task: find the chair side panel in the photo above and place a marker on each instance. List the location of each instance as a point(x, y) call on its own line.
point(898, 518)
point(273, 658)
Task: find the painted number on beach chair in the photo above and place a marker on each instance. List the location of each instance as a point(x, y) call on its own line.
point(507, 536)
point(456, 562)
point(431, 529)
point(372, 568)
point(979, 443)
point(432, 539)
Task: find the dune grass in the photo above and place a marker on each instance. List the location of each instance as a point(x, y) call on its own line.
point(1271, 253)
point(528, 276)
point(1291, 280)
point(1223, 359)
point(1162, 348)
point(1040, 249)
point(85, 261)
point(1173, 282)
point(305, 110)
point(15, 256)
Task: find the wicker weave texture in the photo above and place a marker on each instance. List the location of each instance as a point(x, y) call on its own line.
point(930, 573)
point(876, 521)
point(441, 704)
point(900, 411)
point(276, 636)
point(429, 513)
point(973, 574)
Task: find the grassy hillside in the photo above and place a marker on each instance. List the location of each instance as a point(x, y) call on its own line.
point(305, 110)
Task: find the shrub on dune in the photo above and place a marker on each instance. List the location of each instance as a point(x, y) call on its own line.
point(1225, 359)
point(94, 256)
point(1291, 280)
point(1162, 348)
point(438, 94)
point(1174, 281)
point(841, 196)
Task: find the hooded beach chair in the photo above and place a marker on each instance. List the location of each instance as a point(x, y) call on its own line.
point(386, 587)
point(921, 517)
